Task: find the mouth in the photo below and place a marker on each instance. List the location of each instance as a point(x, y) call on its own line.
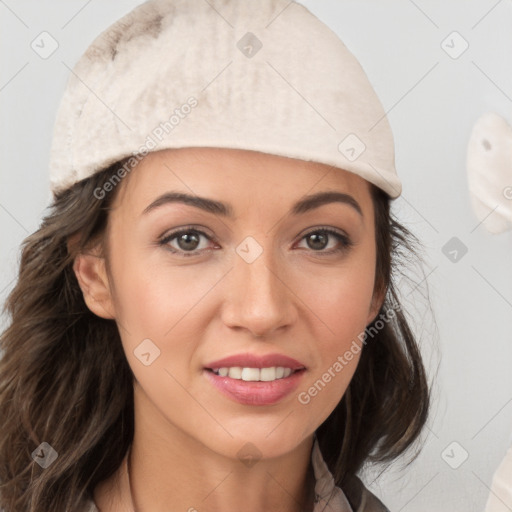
point(250, 374)
point(253, 379)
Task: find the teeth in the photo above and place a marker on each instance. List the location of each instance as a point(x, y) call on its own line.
point(268, 374)
point(235, 372)
point(254, 374)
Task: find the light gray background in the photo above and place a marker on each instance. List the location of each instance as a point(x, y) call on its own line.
point(432, 102)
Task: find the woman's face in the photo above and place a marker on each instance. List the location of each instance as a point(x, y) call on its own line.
point(242, 268)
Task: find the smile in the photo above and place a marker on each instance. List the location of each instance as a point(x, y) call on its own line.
point(254, 374)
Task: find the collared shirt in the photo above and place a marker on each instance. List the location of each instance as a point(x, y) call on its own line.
point(328, 497)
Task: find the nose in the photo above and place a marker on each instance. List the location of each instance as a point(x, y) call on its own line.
point(258, 298)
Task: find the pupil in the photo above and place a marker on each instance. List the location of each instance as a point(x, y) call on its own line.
point(187, 238)
point(315, 237)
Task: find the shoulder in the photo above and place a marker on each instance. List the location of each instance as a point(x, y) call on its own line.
point(361, 499)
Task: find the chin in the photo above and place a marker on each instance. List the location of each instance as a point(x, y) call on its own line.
point(256, 445)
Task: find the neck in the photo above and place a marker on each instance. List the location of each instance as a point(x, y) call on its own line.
point(227, 487)
point(171, 471)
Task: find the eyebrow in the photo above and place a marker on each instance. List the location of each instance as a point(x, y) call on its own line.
point(306, 204)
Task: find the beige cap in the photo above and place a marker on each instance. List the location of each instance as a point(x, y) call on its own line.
point(262, 75)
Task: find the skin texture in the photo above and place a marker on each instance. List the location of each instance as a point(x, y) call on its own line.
point(294, 299)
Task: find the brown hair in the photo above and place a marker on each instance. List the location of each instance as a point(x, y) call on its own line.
point(65, 380)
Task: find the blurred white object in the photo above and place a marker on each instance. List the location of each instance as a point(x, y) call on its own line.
point(489, 168)
point(500, 498)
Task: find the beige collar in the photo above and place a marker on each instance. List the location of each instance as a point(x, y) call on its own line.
point(327, 495)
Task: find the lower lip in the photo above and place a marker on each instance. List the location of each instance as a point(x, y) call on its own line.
point(255, 392)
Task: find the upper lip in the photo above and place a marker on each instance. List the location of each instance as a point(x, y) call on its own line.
point(255, 361)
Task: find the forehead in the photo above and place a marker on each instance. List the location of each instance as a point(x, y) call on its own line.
point(238, 174)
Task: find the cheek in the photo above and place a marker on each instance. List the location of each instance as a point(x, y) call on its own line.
point(152, 297)
point(164, 303)
point(343, 298)
point(158, 309)
point(341, 307)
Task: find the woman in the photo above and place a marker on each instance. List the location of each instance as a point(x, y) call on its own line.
point(206, 320)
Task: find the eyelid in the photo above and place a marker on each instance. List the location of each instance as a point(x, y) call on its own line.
point(327, 229)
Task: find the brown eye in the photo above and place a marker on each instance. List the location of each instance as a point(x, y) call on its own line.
point(319, 240)
point(186, 242)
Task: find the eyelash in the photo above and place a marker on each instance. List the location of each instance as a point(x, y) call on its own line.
point(344, 239)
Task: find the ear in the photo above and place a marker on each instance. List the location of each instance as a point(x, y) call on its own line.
point(92, 277)
point(379, 295)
